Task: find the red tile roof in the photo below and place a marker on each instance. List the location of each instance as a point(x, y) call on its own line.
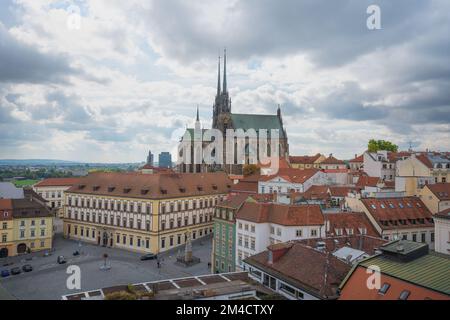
point(58, 182)
point(151, 186)
point(247, 185)
point(399, 213)
point(6, 207)
point(445, 214)
point(358, 159)
point(425, 160)
point(316, 192)
point(292, 175)
point(356, 221)
point(312, 271)
point(332, 160)
point(440, 190)
point(304, 159)
point(287, 215)
point(366, 181)
point(366, 243)
point(343, 191)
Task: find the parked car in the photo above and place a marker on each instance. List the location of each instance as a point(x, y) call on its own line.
point(5, 273)
point(27, 268)
point(149, 256)
point(61, 260)
point(76, 253)
point(16, 271)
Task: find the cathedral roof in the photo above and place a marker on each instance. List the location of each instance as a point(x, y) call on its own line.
point(257, 122)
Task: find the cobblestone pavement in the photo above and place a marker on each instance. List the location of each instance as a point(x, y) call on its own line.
point(48, 279)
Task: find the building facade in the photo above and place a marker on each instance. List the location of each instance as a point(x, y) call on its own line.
point(442, 231)
point(165, 160)
point(382, 164)
point(436, 197)
point(259, 225)
point(26, 226)
point(306, 162)
point(287, 180)
point(420, 169)
point(224, 241)
point(143, 212)
point(52, 190)
point(405, 218)
point(7, 228)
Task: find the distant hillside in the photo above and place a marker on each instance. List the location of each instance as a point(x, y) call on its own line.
point(35, 162)
point(50, 162)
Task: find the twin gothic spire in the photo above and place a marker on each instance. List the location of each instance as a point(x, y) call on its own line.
point(224, 86)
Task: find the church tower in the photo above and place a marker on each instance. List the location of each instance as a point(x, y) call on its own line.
point(222, 104)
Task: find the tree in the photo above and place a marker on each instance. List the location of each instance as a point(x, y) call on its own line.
point(250, 169)
point(376, 145)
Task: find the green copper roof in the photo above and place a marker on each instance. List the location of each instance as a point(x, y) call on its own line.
point(256, 121)
point(430, 271)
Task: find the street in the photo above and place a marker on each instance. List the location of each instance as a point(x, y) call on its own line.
point(48, 279)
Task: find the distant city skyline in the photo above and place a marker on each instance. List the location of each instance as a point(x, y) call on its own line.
point(112, 87)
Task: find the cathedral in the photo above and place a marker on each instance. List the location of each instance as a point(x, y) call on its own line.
point(224, 119)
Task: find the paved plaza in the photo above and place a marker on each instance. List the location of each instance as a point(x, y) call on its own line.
point(48, 279)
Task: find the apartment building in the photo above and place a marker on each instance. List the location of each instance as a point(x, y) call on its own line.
point(287, 180)
point(382, 164)
point(405, 218)
point(306, 162)
point(224, 241)
point(259, 225)
point(442, 231)
point(52, 190)
point(414, 172)
point(143, 212)
point(436, 197)
point(26, 226)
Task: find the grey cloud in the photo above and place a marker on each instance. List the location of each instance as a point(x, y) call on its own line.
point(20, 63)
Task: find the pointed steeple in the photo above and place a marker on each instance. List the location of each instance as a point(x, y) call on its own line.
point(225, 71)
point(198, 117)
point(218, 78)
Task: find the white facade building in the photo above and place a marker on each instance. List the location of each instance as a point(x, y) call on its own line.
point(291, 180)
point(442, 232)
point(259, 225)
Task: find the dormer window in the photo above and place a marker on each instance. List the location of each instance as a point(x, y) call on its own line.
point(182, 189)
point(111, 188)
point(163, 191)
point(95, 188)
point(126, 189)
point(199, 188)
point(81, 186)
point(214, 186)
point(144, 191)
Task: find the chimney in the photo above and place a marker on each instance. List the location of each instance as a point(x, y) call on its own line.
point(277, 251)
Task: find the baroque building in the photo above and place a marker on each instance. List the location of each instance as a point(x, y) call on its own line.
point(146, 213)
point(223, 119)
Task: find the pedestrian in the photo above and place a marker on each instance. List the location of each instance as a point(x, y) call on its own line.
point(158, 264)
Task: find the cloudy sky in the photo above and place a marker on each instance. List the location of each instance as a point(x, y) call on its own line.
point(130, 77)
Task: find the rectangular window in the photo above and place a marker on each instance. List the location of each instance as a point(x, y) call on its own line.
point(163, 242)
point(298, 233)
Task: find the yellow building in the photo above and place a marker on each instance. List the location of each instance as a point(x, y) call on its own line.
point(143, 212)
point(436, 197)
point(420, 169)
point(29, 228)
point(6, 228)
point(306, 162)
